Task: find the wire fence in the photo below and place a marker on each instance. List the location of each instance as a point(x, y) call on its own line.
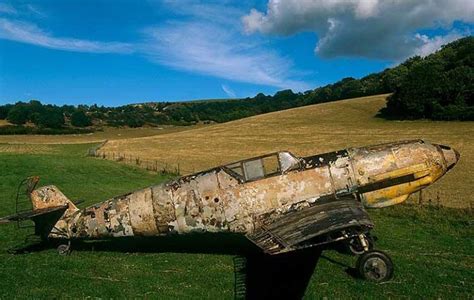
point(152, 165)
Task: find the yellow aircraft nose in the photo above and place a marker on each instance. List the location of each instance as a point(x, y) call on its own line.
point(450, 155)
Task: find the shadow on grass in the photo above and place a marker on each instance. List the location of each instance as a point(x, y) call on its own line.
point(257, 275)
point(283, 276)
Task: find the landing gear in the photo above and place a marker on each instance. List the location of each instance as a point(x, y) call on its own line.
point(64, 249)
point(372, 265)
point(360, 244)
point(375, 266)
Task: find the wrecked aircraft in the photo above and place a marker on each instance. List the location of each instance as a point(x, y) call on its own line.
point(279, 201)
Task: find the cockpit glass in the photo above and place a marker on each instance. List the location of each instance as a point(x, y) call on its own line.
point(288, 162)
point(253, 169)
point(264, 166)
point(236, 168)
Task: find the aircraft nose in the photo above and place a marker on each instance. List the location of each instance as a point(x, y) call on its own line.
point(451, 155)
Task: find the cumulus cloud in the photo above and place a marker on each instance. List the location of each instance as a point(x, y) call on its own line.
point(31, 34)
point(384, 29)
point(430, 45)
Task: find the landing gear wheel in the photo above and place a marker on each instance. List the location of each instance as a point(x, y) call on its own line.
point(360, 244)
point(375, 266)
point(64, 249)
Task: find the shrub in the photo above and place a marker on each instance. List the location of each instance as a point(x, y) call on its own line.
point(80, 119)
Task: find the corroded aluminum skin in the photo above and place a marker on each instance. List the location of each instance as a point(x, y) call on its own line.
point(218, 201)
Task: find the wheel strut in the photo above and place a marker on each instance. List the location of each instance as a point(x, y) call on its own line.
point(64, 249)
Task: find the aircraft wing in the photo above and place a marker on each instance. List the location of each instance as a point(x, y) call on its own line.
point(292, 230)
point(31, 214)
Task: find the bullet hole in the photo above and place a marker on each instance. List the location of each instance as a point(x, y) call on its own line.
point(216, 200)
point(93, 215)
point(74, 230)
point(207, 197)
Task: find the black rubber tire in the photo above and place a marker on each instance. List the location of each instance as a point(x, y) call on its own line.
point(375, 266)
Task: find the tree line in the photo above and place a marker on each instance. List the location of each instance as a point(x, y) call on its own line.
point(438, 87)
point(44, 116)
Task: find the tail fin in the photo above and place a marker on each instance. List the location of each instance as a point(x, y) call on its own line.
point(49, 209)
point(51, 224)
point(50, 196)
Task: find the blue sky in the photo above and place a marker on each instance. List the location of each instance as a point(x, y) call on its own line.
point(117, 52)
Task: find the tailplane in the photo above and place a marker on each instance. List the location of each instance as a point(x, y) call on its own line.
point(46, 206)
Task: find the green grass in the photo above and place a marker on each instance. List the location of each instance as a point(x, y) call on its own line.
point(431, 248)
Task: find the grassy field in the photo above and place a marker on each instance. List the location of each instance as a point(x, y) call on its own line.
point(431, 248)
point(310, 130)
point(108, 133)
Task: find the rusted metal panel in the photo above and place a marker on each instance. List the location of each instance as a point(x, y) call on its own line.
point(164, 210)
point(50, 196)
point(142, 217)
point(107, 219)
point(284, 233)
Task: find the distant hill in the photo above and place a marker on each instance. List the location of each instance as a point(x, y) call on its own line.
point(439, 87)
point(306, 131)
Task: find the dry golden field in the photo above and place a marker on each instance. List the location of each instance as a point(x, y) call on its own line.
point(109, 133)
point(310, 130)
point(27, 148)
point(4, 122)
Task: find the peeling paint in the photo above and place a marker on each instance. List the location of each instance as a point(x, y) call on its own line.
point(309, 196)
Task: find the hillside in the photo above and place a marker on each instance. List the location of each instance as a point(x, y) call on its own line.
point(308, 130)
point(439, 86)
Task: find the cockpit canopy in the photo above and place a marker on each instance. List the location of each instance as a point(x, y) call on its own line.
point(264, 166)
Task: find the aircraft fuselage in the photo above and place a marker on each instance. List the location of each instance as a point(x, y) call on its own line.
point(235, 197)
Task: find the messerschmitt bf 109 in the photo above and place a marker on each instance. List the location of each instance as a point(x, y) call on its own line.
point(279, 201)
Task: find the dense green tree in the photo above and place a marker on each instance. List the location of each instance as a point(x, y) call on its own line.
point(51, 117)
point(80, 119)
point(4, 109)
point(439, 86)
point(18, 114)
point(134, 121)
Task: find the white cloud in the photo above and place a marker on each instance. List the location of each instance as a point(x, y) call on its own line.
point(206, 39)
point(383, 29)
point(216, 12)
point(35, 10)
point(430, 45)
point(7, 9)
point(229, 92)
point(207, 48)
point(29, 33)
